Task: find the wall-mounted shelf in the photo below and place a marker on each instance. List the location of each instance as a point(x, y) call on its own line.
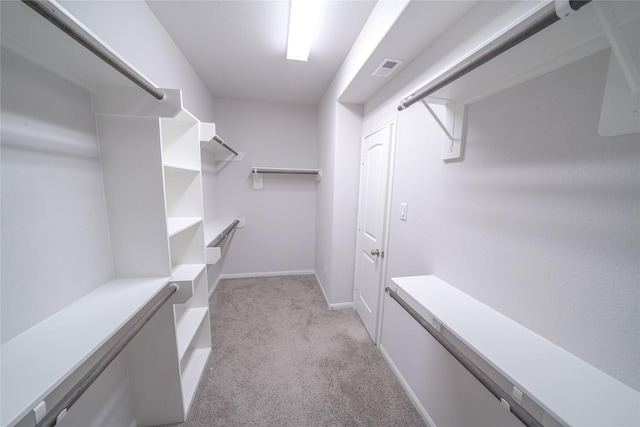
point(566, 387)
point(210, 140)
point(30, 374)
point(258, 171)
point(215, 232)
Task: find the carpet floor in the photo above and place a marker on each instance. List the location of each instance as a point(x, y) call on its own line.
point(282, 358)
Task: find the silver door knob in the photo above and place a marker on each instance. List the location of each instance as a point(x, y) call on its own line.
point(375, 252)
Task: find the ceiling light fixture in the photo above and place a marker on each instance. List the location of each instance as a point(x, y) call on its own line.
point(303, 21)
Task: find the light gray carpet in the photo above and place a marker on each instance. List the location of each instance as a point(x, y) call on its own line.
point(282, 358)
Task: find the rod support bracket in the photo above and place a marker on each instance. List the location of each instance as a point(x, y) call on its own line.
point(452, 125)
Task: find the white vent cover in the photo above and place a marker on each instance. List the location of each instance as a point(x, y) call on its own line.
point(386, 67)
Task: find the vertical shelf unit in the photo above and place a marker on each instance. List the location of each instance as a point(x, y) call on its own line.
point(185, 231)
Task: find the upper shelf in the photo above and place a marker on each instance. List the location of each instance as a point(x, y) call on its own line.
point(210, 140)
point(573, 38)
point(37, 361)
point(566, 387)
point(31, 36)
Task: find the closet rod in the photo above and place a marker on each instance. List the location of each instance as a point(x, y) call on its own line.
point(287, 171)
point(56, 413)
point(219, 140)
point(225, 233)
point(482, 56)
point(59, 17)
point(513, 406)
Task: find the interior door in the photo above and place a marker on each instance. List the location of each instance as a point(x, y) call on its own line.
point(372, 206)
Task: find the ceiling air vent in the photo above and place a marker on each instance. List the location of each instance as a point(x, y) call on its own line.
point(386, 67)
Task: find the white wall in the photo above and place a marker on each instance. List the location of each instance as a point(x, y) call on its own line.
point(340, 132)
point(279, 235)
point(55, 236)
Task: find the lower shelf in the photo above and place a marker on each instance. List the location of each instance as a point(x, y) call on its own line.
point(188, 327)
point(196, 360)
point(30, 374)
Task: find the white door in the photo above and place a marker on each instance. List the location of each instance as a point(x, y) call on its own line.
point(372, 206)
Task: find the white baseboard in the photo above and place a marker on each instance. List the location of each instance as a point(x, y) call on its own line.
point(213, 288)
point(341, 306)
point(267, 274)
point(407, 388)
point(335, 306)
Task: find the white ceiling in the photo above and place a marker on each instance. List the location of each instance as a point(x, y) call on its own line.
point(238, 48)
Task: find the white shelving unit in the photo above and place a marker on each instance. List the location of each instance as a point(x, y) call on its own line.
point(566, 387)
point(150, 166)
point(180, 137)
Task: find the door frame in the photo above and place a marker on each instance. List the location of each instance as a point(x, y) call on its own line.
point(387, 216)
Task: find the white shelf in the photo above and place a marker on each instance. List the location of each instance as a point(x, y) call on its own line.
point(210, 140)
point(566, 387)
point(193, 372)
point(212, 229)
point(178, 224)
point(180, 167)
point(186, 272)
point(188, 326)
point(35, 362)
point(185, 276)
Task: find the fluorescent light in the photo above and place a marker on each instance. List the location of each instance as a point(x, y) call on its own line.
point(302, 27)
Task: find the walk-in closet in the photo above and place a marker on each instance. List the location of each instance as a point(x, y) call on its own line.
point(429, 215)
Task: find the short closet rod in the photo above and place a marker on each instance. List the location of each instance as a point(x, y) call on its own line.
point(225, 233)
point(548, 17)
point(56, 413)
point(287, 171)
point(513, 406)
point(59, 17)
point(219, 140)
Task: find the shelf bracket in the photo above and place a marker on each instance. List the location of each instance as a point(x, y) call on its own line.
point(619, 45)
point(452, 126)
point(620, 112)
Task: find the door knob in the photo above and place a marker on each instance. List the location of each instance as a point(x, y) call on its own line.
point(375, 252)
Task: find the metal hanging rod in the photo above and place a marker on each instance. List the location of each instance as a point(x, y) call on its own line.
point(513, 406)
point(58, 412)
point(288, 171)
point(225, 233)
point(495, 48)
point(59, 17)
point(219, 140)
